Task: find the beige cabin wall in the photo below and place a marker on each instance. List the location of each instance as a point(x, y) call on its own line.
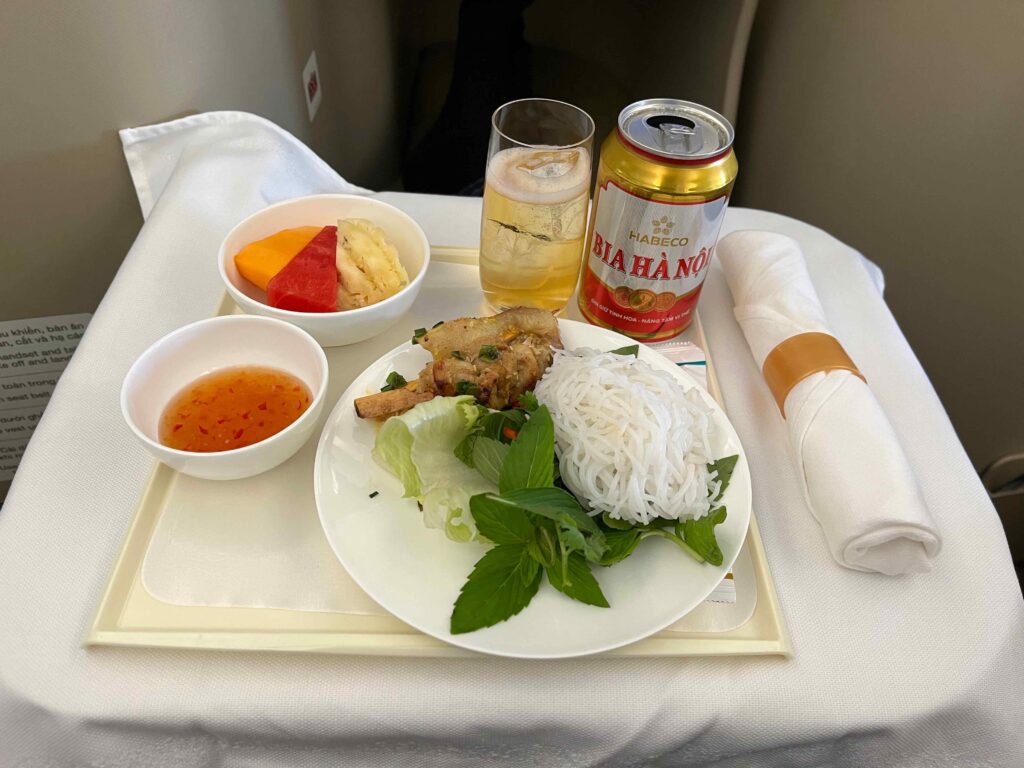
point(898, 127)
point(72, 74)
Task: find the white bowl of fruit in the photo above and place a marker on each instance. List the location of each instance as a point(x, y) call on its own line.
point(341, 267)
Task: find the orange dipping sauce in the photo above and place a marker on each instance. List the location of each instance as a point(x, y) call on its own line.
point(233, 408)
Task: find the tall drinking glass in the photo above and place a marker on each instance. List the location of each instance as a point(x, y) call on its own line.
point(535, 203)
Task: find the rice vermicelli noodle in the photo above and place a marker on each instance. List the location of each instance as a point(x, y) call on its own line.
point(630, 441)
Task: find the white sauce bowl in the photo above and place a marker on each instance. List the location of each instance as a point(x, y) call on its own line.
point(181, 357)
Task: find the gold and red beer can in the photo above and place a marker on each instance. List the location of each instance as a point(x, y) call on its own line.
point(663, 184)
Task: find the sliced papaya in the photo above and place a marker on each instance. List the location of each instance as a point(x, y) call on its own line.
point(309, 282)
point(261, 260)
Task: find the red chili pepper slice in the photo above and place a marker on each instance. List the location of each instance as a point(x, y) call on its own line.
point(510, 433)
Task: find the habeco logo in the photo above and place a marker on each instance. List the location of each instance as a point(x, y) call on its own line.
point(661, 234)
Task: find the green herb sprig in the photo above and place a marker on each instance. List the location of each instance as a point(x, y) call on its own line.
point(536, 527)
point(632, 349)
point(541, 530)
point(395, 380)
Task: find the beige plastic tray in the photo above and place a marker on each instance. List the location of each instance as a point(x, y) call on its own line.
point(128, 615)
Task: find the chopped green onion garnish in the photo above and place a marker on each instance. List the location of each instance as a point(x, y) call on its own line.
point(632, 349)
point(417, 333)
point(439, 322)
point(489, 352)
point(372, 495)
point(395, 380)
point(528, 402)
point(463, 387)
point(457, 355)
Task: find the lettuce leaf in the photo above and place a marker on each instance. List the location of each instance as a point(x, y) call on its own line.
point(418, 448)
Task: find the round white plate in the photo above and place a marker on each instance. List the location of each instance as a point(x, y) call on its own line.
point(416, 573)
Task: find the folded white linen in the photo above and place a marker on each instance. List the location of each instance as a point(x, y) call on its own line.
point(857, 480)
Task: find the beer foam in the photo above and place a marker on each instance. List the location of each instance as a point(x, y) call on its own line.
point(540, 174)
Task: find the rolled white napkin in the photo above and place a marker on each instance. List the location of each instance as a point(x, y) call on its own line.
point(857, 480)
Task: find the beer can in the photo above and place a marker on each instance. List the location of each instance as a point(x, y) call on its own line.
point(663, 183)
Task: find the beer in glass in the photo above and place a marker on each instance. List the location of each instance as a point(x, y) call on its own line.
point(536, 194)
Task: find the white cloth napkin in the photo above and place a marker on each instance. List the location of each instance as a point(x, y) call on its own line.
point(857, 480)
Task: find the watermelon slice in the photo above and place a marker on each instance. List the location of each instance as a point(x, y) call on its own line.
point(309, 282)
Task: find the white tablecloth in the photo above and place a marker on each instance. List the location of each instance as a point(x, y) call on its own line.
point(919, 671)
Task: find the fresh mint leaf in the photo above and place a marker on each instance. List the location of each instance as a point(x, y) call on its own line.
point(578, 582)
point(499, 523)
point(620, 545)
point(571, 538)
point(528, 402)
point(615, 524)
point(675, 536)
point(531, 455)
point(464, 450)
point(564, 510)
point(699, 535)
point(554, 504)
point(494, 424)
point(632, 349)
point(595, 546)
point(395, 380)
point(609, 523)
point(497, 589)
point(561, 508)
point(724, 467)
point(489, 424)
point(612, 524)
point(542, 547)
point(529, 571)
point(489, 456)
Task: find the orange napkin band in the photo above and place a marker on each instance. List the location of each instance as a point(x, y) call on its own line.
point(800, 356)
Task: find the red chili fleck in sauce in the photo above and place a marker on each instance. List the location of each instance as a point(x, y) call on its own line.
point(214, 413)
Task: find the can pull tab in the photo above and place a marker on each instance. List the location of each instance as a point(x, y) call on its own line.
point(676, 134)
